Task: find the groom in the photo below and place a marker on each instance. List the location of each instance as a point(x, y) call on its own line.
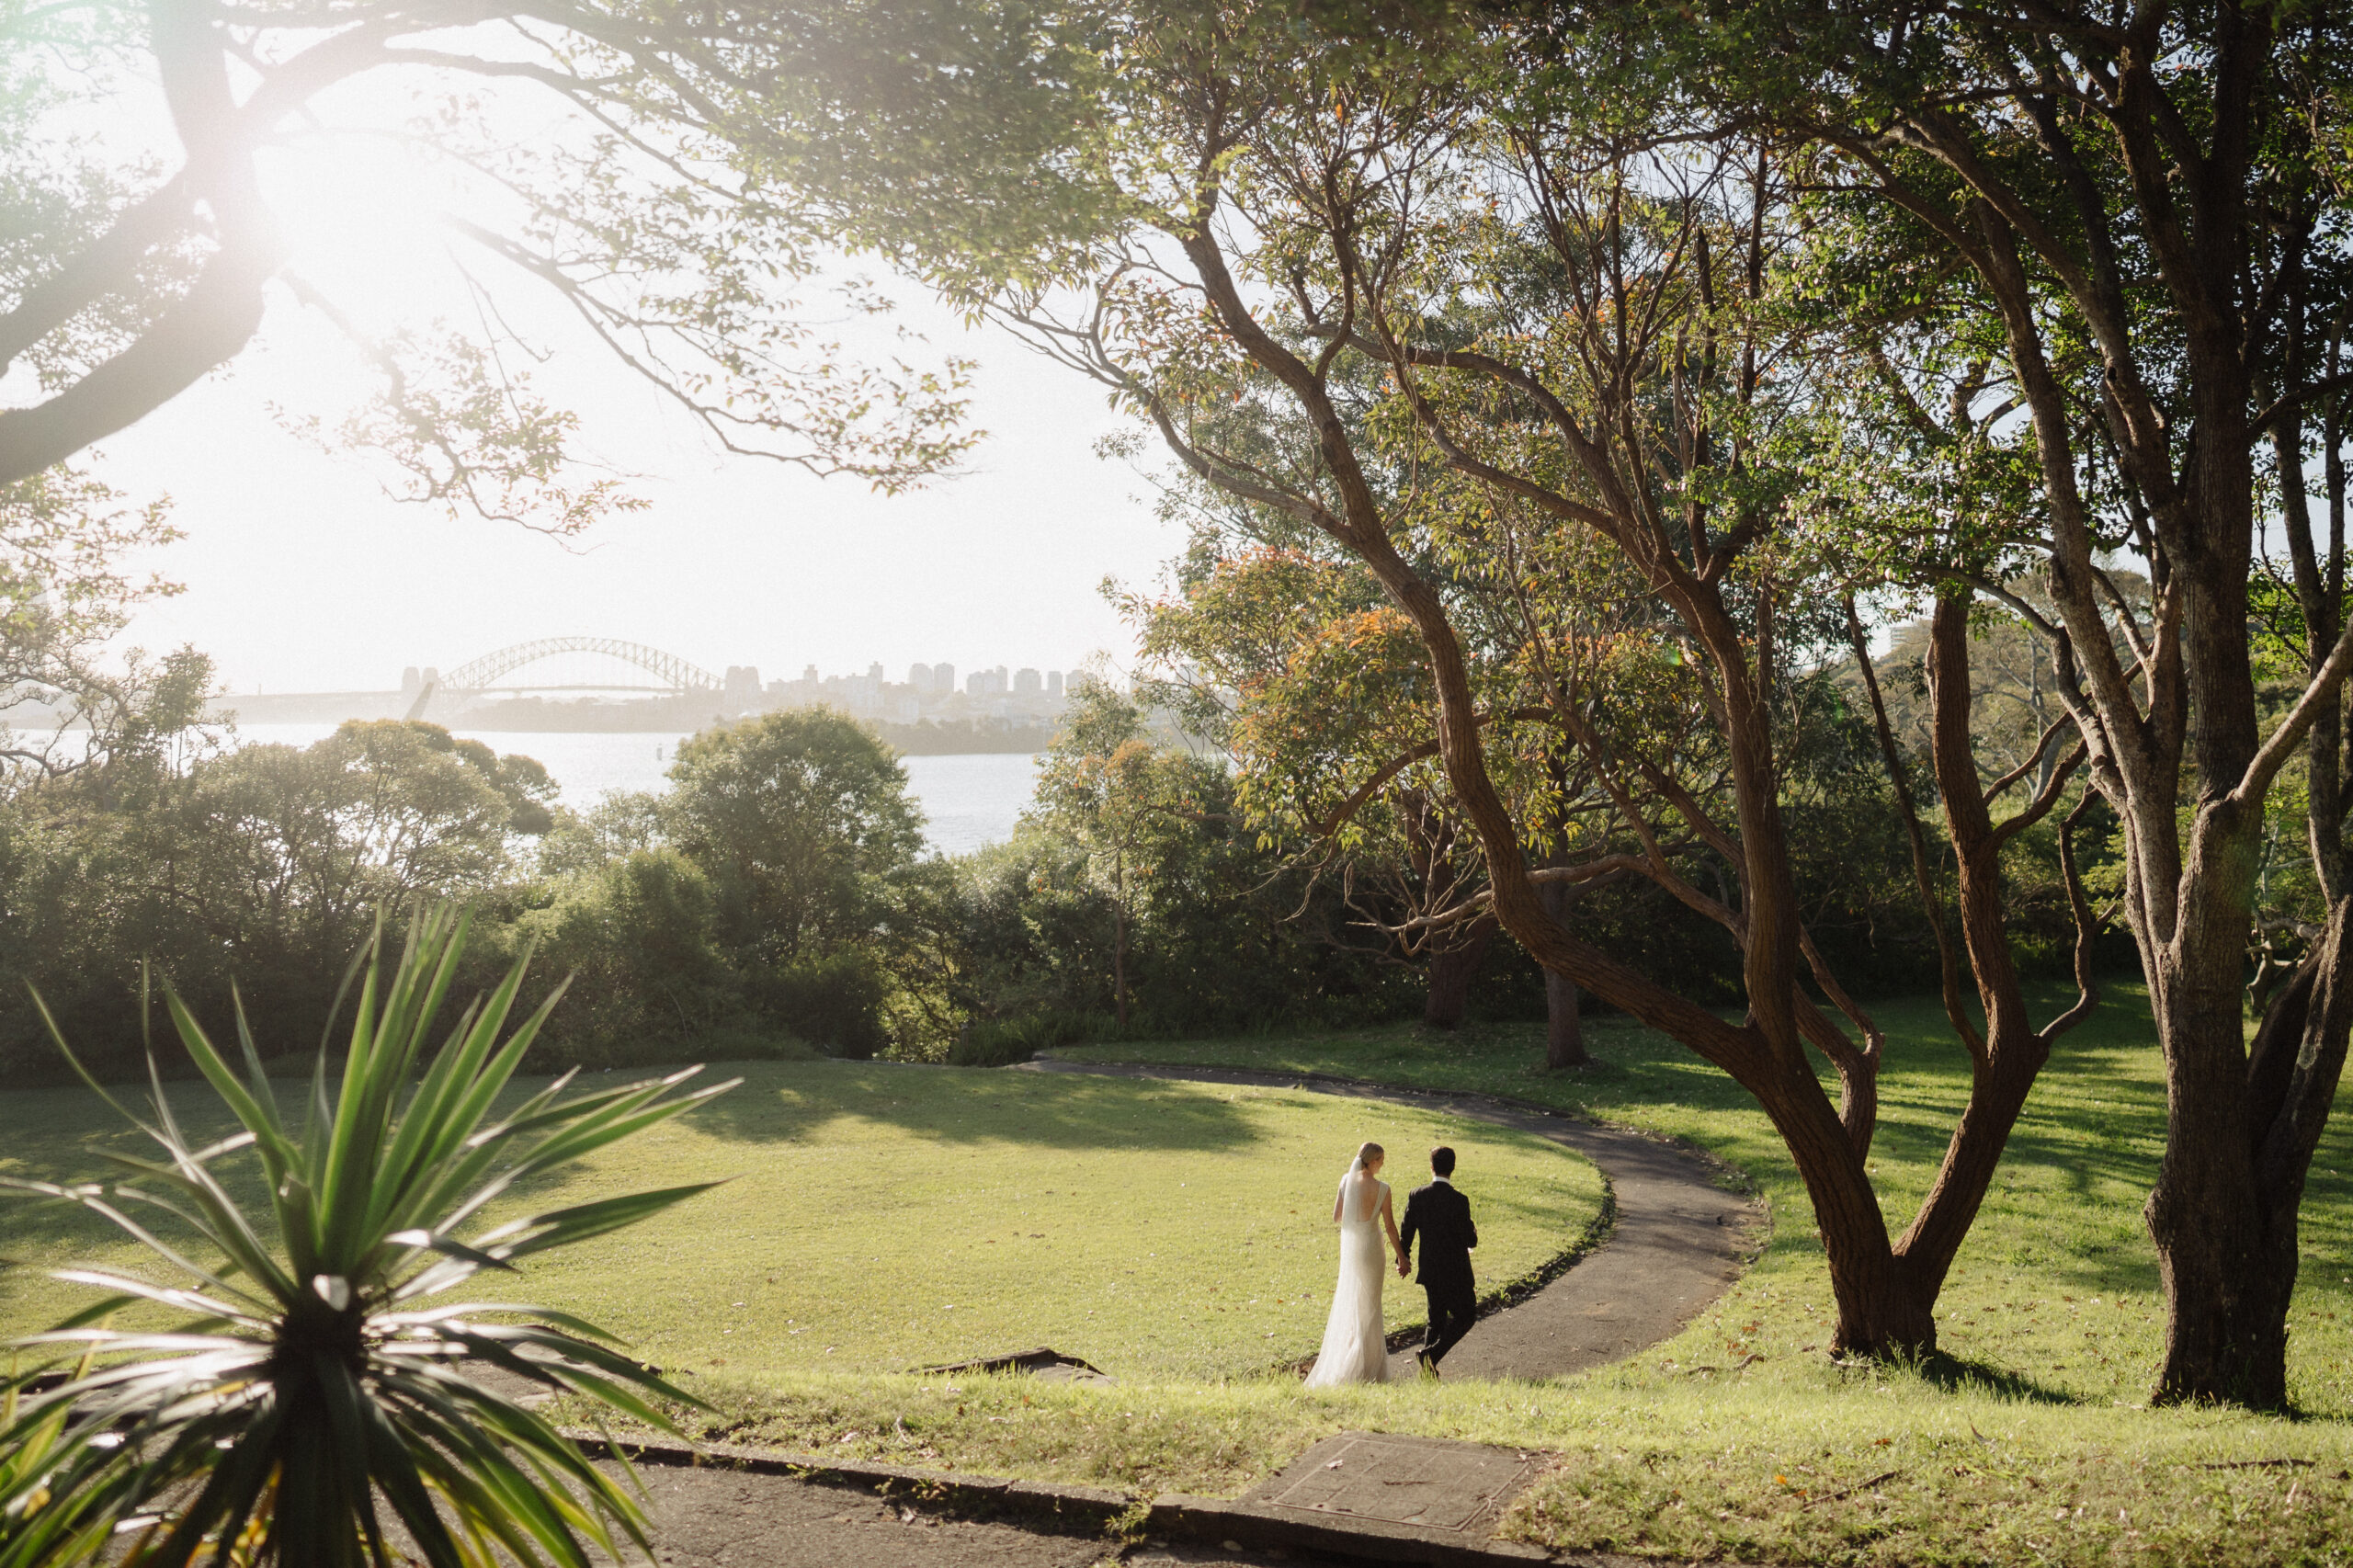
point(1441, 1217)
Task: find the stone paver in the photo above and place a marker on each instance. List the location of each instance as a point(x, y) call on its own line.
point(1403, 1480)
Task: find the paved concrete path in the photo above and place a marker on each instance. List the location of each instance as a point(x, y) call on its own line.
point(1678, 1242)
point(722, 1518)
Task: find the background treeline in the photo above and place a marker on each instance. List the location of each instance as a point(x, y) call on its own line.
point(778, 896)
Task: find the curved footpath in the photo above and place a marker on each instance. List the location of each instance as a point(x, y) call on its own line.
point(1678, 1242)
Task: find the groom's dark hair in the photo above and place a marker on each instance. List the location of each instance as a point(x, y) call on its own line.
point(1442, 1159)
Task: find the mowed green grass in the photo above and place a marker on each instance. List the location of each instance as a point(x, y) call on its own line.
point(875, 1218)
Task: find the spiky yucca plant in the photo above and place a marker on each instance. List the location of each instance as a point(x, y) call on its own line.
point(313, 1383)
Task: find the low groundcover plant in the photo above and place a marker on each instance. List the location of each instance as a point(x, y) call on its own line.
point(310, 1385)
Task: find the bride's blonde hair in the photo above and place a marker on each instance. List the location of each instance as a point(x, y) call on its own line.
point(1366, 1154)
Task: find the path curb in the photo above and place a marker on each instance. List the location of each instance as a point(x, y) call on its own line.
point(1094, 1509)
point(1090, 1508)
point(1220, 1519)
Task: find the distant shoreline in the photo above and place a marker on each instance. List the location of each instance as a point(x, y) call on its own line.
point(663, 715)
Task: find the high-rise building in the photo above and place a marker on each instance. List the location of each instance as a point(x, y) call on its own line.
point(919, 677)
point(943, 678)
point(1053, 682)
point(1026, 683)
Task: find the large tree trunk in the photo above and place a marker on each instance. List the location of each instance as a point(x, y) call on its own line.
point(1564, 1030)
point(1881, 1310)
point(2244, 1121)
point(2232, 1343)
point(2227, 1254)
point(2224, 1247)
point(1452, 971)
point(2226, 1338)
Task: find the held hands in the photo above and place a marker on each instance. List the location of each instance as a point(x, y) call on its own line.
point(1404, 1267)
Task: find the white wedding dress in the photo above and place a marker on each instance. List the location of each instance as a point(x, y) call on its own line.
point(1355, 1350)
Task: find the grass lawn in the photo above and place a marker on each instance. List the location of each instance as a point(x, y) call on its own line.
point(877, 1218)
point(2028, 1443)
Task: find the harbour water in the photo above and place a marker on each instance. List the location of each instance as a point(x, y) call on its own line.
point(968, 801)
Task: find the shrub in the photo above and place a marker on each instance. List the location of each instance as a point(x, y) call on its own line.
point(832, 1000)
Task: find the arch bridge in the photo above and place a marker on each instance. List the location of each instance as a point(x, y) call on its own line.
point(674, 673)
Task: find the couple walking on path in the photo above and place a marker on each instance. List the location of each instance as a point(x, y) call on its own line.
point(1356, 1347)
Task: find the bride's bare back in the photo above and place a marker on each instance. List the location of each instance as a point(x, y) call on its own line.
point(1354, 1348)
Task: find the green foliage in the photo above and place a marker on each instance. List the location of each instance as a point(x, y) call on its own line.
point(616, 204)
point(1137, 897)
point(306, 1378)
point(801, 819)
point(637, 940)
point(66, 588)
point(268, 862)
point(834, 999)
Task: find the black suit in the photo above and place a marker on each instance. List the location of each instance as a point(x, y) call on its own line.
point(1441, 1217)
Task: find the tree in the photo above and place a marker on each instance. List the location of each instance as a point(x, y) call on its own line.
point(1299, 673)
point(803, 821)
point(2140, 216)
point(268, 862)
point(64, 594)
point(135, 269)
point(285, 848)
point(1448, 259)
point(636, 939)
point(1128, 803)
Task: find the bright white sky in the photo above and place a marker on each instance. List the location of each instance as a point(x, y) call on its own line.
point(301, 574)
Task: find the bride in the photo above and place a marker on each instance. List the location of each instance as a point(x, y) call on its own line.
point(1354, 1348)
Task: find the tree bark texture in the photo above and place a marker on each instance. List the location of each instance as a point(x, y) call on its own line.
point(1563, 1030)
point(1452, 972)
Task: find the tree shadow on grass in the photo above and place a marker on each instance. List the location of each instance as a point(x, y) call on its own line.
point(1954, 1374)
point(799, 1102)
point(56, 1135)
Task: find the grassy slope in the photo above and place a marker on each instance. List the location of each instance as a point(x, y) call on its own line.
point(877, 1218)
